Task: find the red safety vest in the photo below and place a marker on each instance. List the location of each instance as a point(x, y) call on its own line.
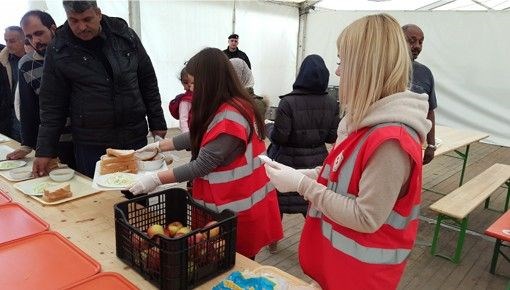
point(241, 186)
point(338, 257)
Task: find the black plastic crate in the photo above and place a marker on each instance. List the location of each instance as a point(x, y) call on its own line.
point(174, 263)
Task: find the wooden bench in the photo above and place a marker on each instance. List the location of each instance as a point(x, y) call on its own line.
point(500, 230)
point(458, 204)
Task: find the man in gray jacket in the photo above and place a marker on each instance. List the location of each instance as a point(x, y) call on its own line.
point(97, 72)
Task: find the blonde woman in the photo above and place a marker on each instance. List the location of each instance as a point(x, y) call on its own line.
point(364, 200)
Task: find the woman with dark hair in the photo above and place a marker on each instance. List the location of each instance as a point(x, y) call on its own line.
point(226, 136)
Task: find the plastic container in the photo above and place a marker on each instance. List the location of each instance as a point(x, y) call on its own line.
point(4, 198)
point(153, 164)
point(63, 174)
point(174, 263)
point(104, 281)
point(17, 222)
point(45, 261)
point(21, 173)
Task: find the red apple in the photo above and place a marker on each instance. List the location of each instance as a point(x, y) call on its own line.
point(150, 260)
point(214, 232)
point(155, 229)
point(139, 243)
point(173, 228)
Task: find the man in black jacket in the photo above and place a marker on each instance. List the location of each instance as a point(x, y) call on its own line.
point(97, 72)
point(233, 52)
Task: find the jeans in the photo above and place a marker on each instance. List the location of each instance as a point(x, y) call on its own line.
point(15, 128)
point(87, 156)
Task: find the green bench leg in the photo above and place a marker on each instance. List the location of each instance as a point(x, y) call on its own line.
point(507, 195)
point(495, 256)
point(460, 241)
point(487, 201)
point(464, 157)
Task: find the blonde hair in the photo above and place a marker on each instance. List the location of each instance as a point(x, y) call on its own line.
point(376, 63)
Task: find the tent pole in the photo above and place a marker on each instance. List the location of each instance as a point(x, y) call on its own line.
point(234, 17)
point(304, 9)
point(134, 16)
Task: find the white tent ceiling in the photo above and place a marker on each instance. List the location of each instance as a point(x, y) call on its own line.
point(408, 5)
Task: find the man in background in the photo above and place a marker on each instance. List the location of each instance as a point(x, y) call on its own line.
point(422, 82)
point(39, 29)
point(9, 58)
point(96, 71)
point(233, 52)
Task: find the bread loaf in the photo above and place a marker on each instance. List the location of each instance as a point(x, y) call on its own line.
point(57, 192)
point(117, 160)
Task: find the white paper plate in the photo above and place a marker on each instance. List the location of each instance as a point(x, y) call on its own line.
point(117, 180)
point(11, 164)
point(38, 188)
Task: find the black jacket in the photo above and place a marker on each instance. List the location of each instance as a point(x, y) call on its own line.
point(108, 106)
point(238, 54)
point(306, 119)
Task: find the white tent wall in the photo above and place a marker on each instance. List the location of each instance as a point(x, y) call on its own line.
point(466, 52)
point(173, 31)
point(117, 8)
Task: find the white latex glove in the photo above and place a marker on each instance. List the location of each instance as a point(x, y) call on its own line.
point(284, 178)
point(145, 184)
point(313, 173)
point(150, 147)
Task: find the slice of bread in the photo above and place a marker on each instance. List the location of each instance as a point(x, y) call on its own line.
point(120, 153)
point(130, 167)
point(57, 192)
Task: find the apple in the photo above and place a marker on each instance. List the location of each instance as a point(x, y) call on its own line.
point(154, 230)
point(196, 239)
point(216, 253)
point(139, 243)
point(150, 260)
point(173, 228)
point(214, 232)
point(182, 231)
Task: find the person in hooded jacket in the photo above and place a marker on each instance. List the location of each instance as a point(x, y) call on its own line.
point(306, 119)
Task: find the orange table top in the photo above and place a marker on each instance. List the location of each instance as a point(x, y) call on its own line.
point(500, 229)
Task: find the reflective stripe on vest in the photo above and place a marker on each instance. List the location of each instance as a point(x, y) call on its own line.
point(229, 115)
point(252, 163)
point(240, 205)
point(349, 246)
point(360, 252)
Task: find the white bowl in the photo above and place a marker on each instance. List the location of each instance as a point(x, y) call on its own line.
point(21, 173)
point(63, 174)
point(151, 165)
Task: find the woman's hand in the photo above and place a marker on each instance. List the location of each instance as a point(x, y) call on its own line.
point(145, 184)
point(284, 178)
point(151, 147)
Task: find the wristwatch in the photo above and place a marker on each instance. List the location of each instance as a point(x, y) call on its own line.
point(432, 146)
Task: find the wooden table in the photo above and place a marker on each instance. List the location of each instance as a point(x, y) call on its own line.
point(453, 139)
point(89, 224)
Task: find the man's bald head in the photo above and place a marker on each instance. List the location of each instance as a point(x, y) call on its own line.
point(414, 36)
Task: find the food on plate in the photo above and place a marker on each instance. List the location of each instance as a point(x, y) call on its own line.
point(117, 179)
point(11, 164)
point(57, 192)
point(117, 160)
